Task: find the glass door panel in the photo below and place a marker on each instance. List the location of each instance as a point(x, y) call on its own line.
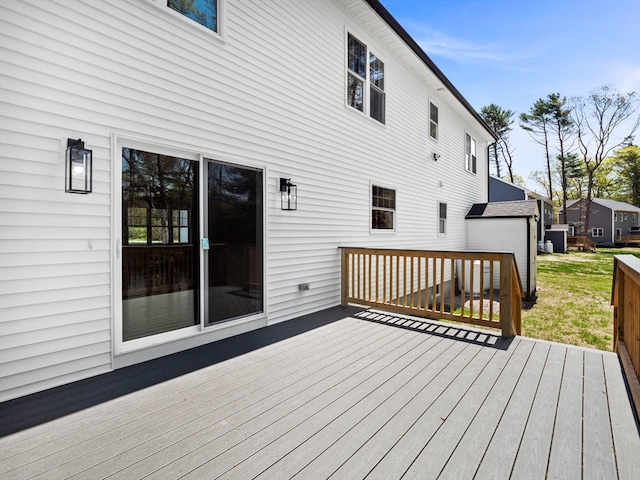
point(234, 219)
point(160, 257)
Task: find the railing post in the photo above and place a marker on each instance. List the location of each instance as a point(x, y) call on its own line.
point(506, 287)
point(344, 276)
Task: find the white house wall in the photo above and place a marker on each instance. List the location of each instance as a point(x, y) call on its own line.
point(270, 93)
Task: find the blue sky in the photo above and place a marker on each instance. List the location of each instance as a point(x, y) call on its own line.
point(513, 52)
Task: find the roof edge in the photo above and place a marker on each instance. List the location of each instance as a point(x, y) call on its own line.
point(402, 33)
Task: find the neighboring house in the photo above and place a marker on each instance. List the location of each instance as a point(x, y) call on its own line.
point(507, 227)
point(503, 191)
point(608, 219)
point(231, 158)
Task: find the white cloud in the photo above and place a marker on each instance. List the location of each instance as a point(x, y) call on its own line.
point(464, 50)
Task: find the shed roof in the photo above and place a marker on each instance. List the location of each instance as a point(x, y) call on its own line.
point(514, 209)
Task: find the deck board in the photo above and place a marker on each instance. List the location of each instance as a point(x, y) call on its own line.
point(356, 394)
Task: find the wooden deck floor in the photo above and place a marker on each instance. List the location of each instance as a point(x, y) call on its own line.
point(369, 395)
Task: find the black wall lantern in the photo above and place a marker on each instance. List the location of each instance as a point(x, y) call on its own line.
point(288, 194)
point(79, 167)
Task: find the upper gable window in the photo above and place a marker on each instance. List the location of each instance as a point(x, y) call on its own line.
point(433, 121)
point(204, 12)
point(365, 80)
point(470, 153)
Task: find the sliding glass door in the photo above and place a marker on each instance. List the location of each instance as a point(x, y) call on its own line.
point(160, 256)
point(166, 220)
point(234, 259)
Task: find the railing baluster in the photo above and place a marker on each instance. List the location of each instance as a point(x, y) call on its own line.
point(411, 281)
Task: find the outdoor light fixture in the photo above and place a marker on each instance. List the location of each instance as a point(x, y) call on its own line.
point(79, 167)
point(288, 194)
point(436, 156)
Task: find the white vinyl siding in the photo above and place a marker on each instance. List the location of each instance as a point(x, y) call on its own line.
point(106, 70)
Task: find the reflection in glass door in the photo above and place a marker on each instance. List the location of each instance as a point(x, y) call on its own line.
point(234, 259)
point(160, 255)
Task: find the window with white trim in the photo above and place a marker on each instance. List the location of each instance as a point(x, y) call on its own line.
point(204, 12)
point(433, 121)
point(625, 216)
point(633, 217)
point(597, 232)
point(615, 216)
point(365, 80)
point(383, 208)
point(442, 218)
point(470, 153)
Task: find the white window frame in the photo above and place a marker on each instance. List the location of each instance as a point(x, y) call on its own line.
point(615, 216)
point(434, 125)
point(633, 217)
point(597, 232)
point(470, 153)
point(619, 233)
point(442, 221)
point(368, 84)
point(372, 208)
point(220, 20)
point(625, 216)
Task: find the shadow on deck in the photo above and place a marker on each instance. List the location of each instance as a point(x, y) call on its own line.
point(343, 393)
point(32, 410)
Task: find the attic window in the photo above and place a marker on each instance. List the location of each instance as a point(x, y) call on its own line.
point(204, 12)
point(442, 218)
point(365, 80)
point(433, 121)
point(470, 153)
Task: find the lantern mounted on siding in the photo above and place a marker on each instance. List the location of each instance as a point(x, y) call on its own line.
point(79, 167)
point(288, 195)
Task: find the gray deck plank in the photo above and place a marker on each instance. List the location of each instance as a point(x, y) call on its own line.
point(466, 456)
point(438, 448)
point(625, 433)
point(363, 453)
point(148, 433)
point(373, 395)
point(340, 438)
point(140, 411)
point(345, 412)
point(328, 404)
point(598, 459)
point(212, 437)
point(65, 433)
point(533, 454)
point(401, 457)
point(503, 448)
point(456, 375)
point(565, 458)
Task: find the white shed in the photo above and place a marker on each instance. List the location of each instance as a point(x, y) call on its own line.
point(507, 227)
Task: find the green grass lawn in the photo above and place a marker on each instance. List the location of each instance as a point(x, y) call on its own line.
point(574, 298)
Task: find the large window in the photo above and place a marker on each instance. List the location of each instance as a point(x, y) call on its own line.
point(442, 218)
point(597, 232)
point(365, 80)
point(383, 208)
point(204, 12)
point(433, 121)
point(470, 153)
